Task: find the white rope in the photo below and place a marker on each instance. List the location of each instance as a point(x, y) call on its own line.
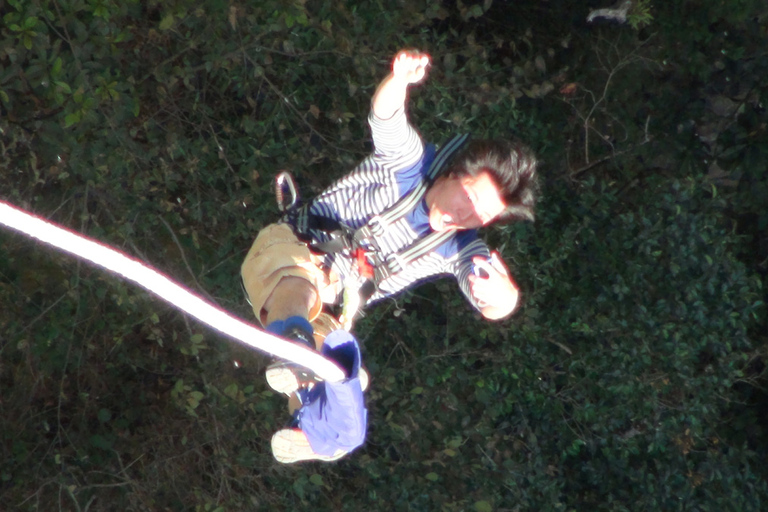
point(168, 290)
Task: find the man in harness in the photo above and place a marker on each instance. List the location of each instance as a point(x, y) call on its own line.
point(408, 212)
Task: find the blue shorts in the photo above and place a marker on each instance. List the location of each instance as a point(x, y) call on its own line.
point(333, 414)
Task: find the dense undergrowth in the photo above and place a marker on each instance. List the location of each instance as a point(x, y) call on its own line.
point(633, 377)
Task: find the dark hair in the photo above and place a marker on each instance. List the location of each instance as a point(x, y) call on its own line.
point(511, 164)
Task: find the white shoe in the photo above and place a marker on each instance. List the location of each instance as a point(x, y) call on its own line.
point(291, 445)
point(362, 374)
point(281, 378)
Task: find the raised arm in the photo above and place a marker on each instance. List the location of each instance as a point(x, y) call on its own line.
point(408, 67)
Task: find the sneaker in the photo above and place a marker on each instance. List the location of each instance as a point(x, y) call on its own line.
point(291, 445)
point(287, 378)
point(362, 374)
point(281, 378)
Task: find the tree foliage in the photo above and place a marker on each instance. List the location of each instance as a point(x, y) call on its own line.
point(633, 377)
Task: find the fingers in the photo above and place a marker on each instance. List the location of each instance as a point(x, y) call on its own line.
point(495, 262)
point(485, 268)
point(496, 288)
point(503, 298)
point(412, 59)
point(482, 263)
point(410, 66)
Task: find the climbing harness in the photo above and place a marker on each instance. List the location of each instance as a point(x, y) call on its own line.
point(372, 263)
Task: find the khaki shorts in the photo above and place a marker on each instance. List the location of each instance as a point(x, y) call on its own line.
point(278, 253)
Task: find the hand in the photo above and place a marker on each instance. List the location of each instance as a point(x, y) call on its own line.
point(496, 294)
point(410, 66)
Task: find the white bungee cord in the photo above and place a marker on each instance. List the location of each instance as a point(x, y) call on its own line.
point(157, 283)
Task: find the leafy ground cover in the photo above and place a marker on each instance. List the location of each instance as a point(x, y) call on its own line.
point(633, 378)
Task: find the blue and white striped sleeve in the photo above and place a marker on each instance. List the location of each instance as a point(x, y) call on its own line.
point(396, 143)
point(462, 266)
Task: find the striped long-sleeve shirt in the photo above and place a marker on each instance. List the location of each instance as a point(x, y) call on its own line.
point(398, 164)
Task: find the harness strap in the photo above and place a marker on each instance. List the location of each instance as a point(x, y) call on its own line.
point(397, 262)
point(379, 223)
point(345, 239)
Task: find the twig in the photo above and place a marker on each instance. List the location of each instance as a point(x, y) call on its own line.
point(488, 457)
point(301, 116)
point(41, 315)
point(37, 492)
point(108, 211)
point(224, 260)
point(555, 342)
point(71, 495)
point(201, 67)
point(646, 139)
point(184, 259)
point(123, 468)
point(166, 61)
point(221, 150)
point(597, 101)
point(94, 486)
point(66, 37)
point(189, 269)
point(90, 501)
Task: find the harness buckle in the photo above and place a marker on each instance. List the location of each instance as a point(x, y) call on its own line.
point(364, 267)
point(286, 192)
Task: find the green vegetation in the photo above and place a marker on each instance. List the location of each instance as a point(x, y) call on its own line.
point(633, 377)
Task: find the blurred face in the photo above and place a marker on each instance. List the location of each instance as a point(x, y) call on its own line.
point(463, 202)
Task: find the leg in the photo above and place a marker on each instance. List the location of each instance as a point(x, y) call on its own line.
point(280, 278)
point(293, 296)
